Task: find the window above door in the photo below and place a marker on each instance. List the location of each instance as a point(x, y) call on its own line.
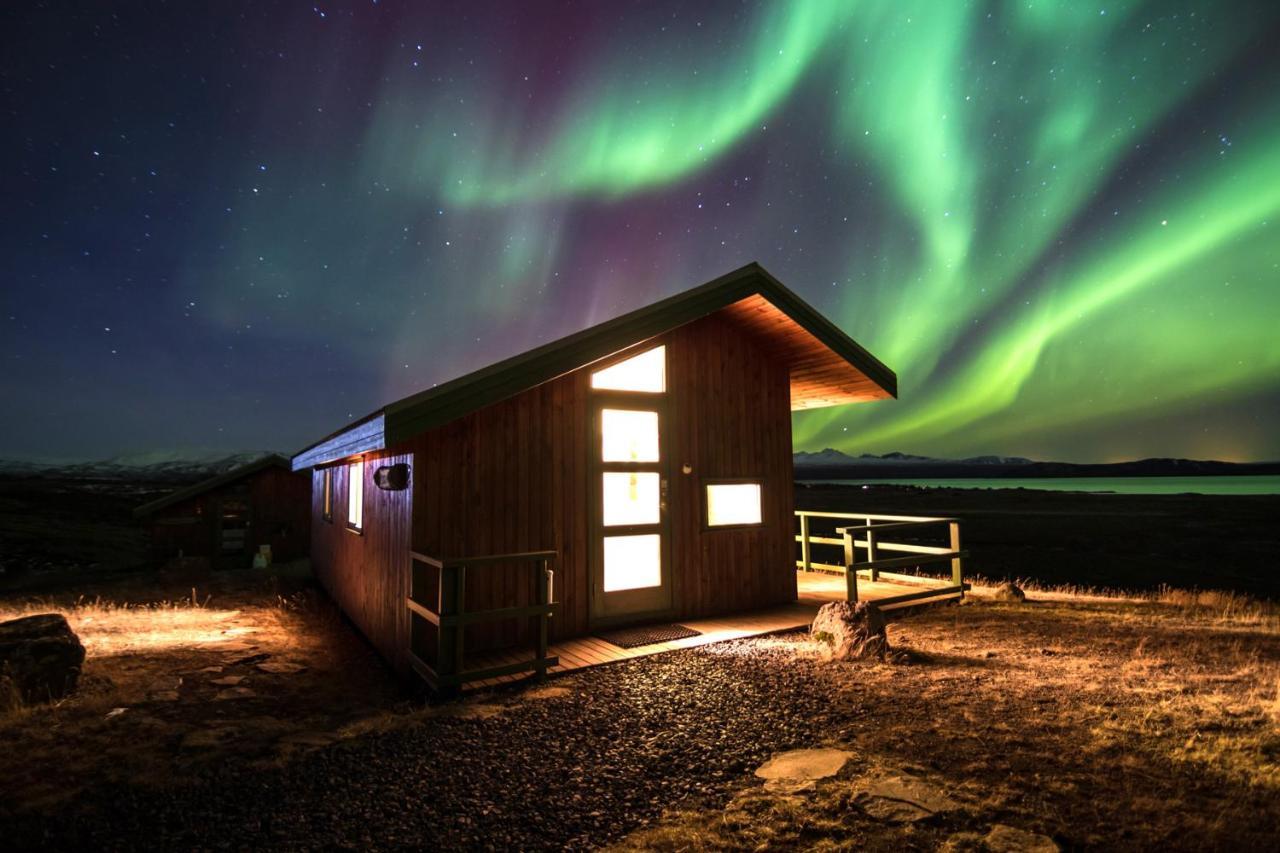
point(646, 372)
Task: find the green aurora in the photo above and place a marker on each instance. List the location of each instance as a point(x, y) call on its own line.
point(1054, 220)
point(1081, 229)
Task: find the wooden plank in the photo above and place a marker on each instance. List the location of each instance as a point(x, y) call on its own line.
point(915, 519)
point(518, 556)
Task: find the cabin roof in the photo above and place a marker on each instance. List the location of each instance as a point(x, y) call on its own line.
point(271, 460)
point(828, 368)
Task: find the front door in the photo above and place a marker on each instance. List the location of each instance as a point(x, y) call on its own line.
point(233, 526)
point(631, 573)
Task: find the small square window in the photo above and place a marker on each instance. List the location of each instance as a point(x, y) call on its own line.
point(355, 496)
point(733, 504)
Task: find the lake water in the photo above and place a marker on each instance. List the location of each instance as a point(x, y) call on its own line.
point(1251, 485)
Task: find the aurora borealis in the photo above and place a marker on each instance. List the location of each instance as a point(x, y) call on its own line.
point(237, 226)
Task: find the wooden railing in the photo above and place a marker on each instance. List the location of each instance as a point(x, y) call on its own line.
point(867, 536)
point(442, 604)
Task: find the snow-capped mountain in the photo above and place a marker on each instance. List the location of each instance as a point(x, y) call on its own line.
point(184, 464)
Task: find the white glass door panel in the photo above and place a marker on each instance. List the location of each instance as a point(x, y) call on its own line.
point(632, 562)
point(628, 435)
point(631, 497)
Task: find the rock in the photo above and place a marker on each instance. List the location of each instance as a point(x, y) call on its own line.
point(848, 631)
point(281, 667)
point(1010, 839)
point(40, 657)
point(901, 798)
point(235, 693)
point(1009, 591)
point(227, 680)
point(257, 657)
point(547, 693)
point(801, 767)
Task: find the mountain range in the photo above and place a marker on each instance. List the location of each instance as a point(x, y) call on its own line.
point(832, 464)
point(828, 464)
point(157, 466)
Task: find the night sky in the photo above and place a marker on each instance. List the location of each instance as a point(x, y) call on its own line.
point(237, 226)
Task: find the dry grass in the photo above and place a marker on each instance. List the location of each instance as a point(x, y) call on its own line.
point(1133, 721)
point(149, 708)
point(111, 631)
point(1138, 721)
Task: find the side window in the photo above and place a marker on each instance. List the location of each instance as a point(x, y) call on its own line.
point(326, 498)
point(355, 496)
point(733, 504)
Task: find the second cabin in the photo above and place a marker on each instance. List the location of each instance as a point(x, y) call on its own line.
point(639, 471)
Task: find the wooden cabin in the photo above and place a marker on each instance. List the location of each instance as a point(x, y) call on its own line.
point(228, 518)
point(638, 471)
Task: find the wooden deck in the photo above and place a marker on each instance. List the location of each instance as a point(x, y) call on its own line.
point(814, 588)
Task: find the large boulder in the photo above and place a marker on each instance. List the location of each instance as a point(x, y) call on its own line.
point(849, 631)
point(40, 657)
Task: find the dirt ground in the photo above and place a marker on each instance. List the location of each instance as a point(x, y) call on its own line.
point(1099, 723)
point(228, 710)
point(1096, 722)
point(186, 670)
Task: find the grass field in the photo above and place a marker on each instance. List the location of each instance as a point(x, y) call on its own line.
point(1100, 719)
point(1146, 721)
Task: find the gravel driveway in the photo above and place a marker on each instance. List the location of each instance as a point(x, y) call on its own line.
point(577, 770)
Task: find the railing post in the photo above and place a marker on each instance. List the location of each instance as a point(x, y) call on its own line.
point(804, 542)
point(871, 552)
point(544, 598)
point(447, 636)
point(458, 607)
point(957, 570)
point(850, 574)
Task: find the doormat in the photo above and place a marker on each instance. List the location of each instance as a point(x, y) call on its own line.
point(646, 635)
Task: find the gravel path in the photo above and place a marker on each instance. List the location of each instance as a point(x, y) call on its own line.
point(574, 771)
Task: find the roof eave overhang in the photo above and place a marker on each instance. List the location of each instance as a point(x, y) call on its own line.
point(363, 437)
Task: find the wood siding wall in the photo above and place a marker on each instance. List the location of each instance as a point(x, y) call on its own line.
point(278, 516)
point(515, 476)
point(366, 573)
point(730, 418)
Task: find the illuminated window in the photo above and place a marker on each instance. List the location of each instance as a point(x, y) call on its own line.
point(630, 497)
point(632, 562)
point(628, 436)
point(355, 496)
point(733, 503)
point(644, 372)
point(326, 505)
